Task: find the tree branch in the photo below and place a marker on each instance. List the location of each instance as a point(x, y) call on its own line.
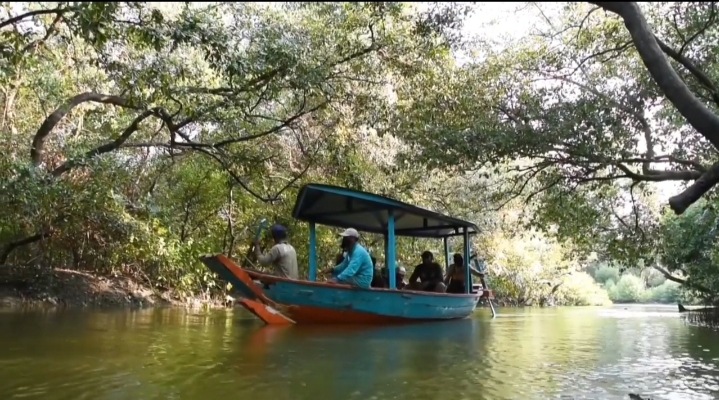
point(105, 148)
point(38, 142)
point(693, 69)
point(272, 130)
point(18, 18)
point(681, 281)
point(689, 106)
point(19, 243)
point(690, 195)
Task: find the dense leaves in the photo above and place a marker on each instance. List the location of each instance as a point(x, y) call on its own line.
point(137, 136)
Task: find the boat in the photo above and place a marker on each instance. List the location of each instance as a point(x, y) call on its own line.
point(277, 300)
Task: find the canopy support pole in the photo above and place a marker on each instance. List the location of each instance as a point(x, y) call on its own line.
point(385, 244)
point(446, 253)
point(389, 254)
point(467, 275)
point(313, 253)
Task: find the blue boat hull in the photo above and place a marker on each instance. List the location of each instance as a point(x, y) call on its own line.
point(314, 302)
point(308, 302)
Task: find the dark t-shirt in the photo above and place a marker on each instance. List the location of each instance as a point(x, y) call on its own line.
point(427, 273)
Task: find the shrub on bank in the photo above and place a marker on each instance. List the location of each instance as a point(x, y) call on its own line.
point(580, 289)
point(629, 289)
point(632, 289)
point(606, 273)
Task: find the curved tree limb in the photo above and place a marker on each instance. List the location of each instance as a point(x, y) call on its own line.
point(38, 142)
point(681, 281)
point(105, 148)
point(696, 190)
point(698, 115)
point(693, 69)
point(8, 248)
point(18, 18)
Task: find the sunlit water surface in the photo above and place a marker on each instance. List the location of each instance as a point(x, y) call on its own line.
point(565, 353)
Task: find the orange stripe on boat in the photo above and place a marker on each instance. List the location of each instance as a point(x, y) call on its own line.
point(242, 276)
point(266, 313)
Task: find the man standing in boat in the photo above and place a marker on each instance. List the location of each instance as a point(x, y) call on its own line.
point(356, 269)
point(282, 256)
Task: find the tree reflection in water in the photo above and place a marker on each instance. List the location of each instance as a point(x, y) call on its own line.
point(528, 354)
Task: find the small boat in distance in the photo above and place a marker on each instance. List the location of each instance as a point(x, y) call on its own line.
point(278, 300)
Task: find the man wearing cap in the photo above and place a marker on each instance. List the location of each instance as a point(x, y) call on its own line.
point(356, 269)
point(282, 255)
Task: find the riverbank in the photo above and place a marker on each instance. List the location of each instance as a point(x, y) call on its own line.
point(68, 288)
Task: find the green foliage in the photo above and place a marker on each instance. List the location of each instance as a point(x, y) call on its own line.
point(220, 112)
point(689, 248)
point(531, 269)
point(579, 289)
point(634, 285)
point(137, 136)
point(605, 273)
point(629, 289)
point(575, 124)
point(667, 292)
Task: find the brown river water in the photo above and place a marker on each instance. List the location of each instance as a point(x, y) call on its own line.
point(553, 353)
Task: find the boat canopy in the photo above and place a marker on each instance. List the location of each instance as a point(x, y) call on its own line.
point(367, 212)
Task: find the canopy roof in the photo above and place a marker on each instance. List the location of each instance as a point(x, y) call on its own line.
point(367, 212)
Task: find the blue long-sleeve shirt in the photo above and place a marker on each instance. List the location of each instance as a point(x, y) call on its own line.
point(357, 264)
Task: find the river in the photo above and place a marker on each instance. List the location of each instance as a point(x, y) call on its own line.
point(562, 353)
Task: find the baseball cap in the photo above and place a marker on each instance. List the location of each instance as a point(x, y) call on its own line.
point(350, 232)
point(278, 229)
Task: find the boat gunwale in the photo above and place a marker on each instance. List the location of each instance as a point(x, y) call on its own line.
point(273, 278)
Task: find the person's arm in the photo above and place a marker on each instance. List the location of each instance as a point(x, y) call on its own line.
point(450, 271)
point(475, 272)
point(352, 267)
point(337, 268)
point(270, 257)
point(415, 275)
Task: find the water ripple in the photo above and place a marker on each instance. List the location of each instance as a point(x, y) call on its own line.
point(578, 353)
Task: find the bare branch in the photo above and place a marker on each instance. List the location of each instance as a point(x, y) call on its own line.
point(38, 142)
point(681, 281)
point(105, 148)
point(18, 18)
point(696, 113)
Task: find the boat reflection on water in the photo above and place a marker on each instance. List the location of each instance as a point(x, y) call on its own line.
point(434, 331)
point(464, 330)
point(343, 359)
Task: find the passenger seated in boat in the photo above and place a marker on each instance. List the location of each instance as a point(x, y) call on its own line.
point(377, 277)
point(282, 256)
point(356, 267)
point(455, 275)
point(429, 274)
point(400, 273)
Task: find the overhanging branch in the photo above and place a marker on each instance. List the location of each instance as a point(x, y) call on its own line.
point(681, 281)
point(38, 142)
point(105, 148)
point(689, 106)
